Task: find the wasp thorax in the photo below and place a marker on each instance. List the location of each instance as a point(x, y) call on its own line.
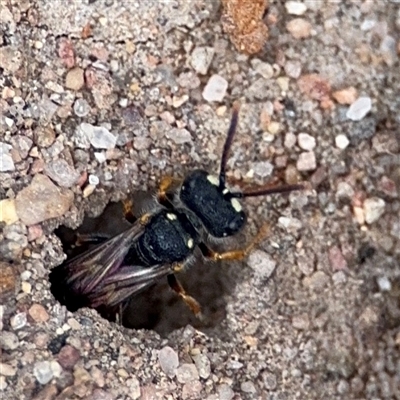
point(220, 214)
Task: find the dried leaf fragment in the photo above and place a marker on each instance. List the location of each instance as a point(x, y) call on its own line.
point(242, 21)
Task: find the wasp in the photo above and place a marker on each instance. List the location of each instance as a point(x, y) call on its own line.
point(190, 213)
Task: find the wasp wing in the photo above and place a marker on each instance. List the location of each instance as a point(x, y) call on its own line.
point(128, 281)
point(98, 277)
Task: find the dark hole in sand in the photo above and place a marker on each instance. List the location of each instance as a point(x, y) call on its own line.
point(159, 308)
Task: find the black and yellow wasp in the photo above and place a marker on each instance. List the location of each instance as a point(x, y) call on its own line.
point(159, 244)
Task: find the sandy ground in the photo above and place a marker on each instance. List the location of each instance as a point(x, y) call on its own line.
point(314, 313)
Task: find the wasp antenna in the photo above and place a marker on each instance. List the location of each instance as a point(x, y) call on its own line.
point(269, 190)
point(228, 142)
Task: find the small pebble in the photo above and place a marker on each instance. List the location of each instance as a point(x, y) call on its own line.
point(359, 215)
point(88, 190)
point(62, 173)
point(21, 144)
point(306, 141)
point(187, 373)
point(225, 392)
point(263, 168)
point(345, 96)
point(123, 102)
point(192, 390)
point(74, 324)
point(262, 264)
point(123, 373)
point(34, 232)
point(306, 161)
point(8, 340)
point(290, 223)
point(43, 372)
point(283, 83)
point(42, 200)
point(386, 185)
point(301, 322)
point(341, 141)
point(336, 259)
point(295, 7)
point(264, 69)
point(293, 69)
point(367, 24)
point(100, 157)
point(8, 213)
point(374, 207)
point(291, 175)
point(203, 365)
point(281, 161)
point(26, 287)
point(18, 321)
point(201, 59)
point(305, 264)
point(38, 313)
point(273, 128)
point(169, 361)
point(339, 278)
point(314, 86)
point(269, 380)
point(343, 387)
point(384, 284)
point(75, 79)
point(215, 89)
point(179, 136)
point(179, 101)
point(388, 50)
point(68, 356)
point(134, 387)
point(94, 180)
point(3, 383)
point(9, 122)
point(290, 140)
point(98, 136)
point(7, 370)
point(56, 368)
point(317, 281)
point(6, 161)
point(344, 190)
point(81, 108)
point(299, 28)
point(44, 136)
point(248, 387)
point(359, 109)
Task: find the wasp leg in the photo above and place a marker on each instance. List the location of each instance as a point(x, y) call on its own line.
point(119, 315)
point(189, 300)
point(239, 254)
point(165, 185)
point(145, 218)
point(128, 211)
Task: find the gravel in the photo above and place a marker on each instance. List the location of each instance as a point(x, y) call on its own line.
point(216, 88)
point(359, 109)
point(169, 361)
point(42, 200)
point(6, 161)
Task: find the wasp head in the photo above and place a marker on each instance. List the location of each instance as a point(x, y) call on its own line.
point(220, 212)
